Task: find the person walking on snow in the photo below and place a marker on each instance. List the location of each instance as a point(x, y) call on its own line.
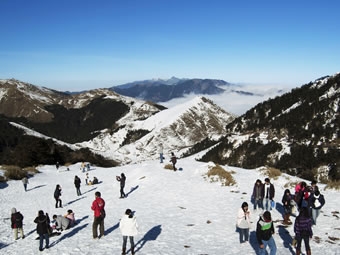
point(173, 160)
point(129, 228)
point(77, 182)
point(122, 179)
point(25, 182)
point(243, 222)
point(16, 223)
point(98, 206)
point(264, 234)
point(57, 195)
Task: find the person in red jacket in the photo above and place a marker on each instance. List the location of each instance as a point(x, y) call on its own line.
point(99, 213)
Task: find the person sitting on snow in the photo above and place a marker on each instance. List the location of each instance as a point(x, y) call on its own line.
point(61, 223)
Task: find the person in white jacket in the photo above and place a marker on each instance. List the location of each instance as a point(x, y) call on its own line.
point(243, 222)
point(129, 228)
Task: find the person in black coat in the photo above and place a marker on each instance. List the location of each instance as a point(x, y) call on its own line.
point(122, 179)
point(264, 233)
point(57, 195)
point(287, 199)
point(16, 223)
point(316, 201)
point(173, 160)
point(268, 194)
point(43, 227)
point(77, 182)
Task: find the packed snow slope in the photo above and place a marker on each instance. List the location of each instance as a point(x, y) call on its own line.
point(178, 212)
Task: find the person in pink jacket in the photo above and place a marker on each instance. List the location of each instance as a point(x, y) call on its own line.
point(129, 228)
point(99, 213)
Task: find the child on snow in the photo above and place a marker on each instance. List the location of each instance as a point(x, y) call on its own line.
point(70, 215)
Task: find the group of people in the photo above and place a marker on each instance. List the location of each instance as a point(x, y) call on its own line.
point(308, 201)
point(128, 223)
point(44, 227)
point(89, 182)
point(173, 158)
point(263, 195)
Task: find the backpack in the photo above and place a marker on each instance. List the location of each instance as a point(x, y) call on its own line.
point(102, 213)
point(19, 217)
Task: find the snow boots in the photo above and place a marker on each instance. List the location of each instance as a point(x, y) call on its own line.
point(123, 251)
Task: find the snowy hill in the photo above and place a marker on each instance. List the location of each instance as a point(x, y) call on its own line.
point(180, 212)
point(177, 128)
point(98, 121)
point(297, 132)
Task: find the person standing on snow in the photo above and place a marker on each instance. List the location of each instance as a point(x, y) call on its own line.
point(264, 234)
point(129, 228)
point(43, 224)
point(16, 223)
point(258, 195)
point(287, 199)
point(243, 222)
point(269, 193)
point(25, 182)
point(317, 201)
point(57, 195)
point(122, 179)
point(303, 230)
point(160, 151)
point(173, 160)
point(98, 206)
point(77, 182)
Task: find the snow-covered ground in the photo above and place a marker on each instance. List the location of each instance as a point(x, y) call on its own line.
point(178, 212)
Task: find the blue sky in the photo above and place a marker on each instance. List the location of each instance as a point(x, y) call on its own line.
point(81, 44)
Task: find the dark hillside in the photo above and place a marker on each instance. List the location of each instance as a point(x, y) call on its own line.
point(77, 125)
point(297, 132)
point(16, 148)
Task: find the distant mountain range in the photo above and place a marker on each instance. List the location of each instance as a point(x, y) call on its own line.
point(297, 132)
point(165, 90)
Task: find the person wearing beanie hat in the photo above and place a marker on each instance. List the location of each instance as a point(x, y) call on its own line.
point(264, 234)
point(16, 223)
point(243, 222)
